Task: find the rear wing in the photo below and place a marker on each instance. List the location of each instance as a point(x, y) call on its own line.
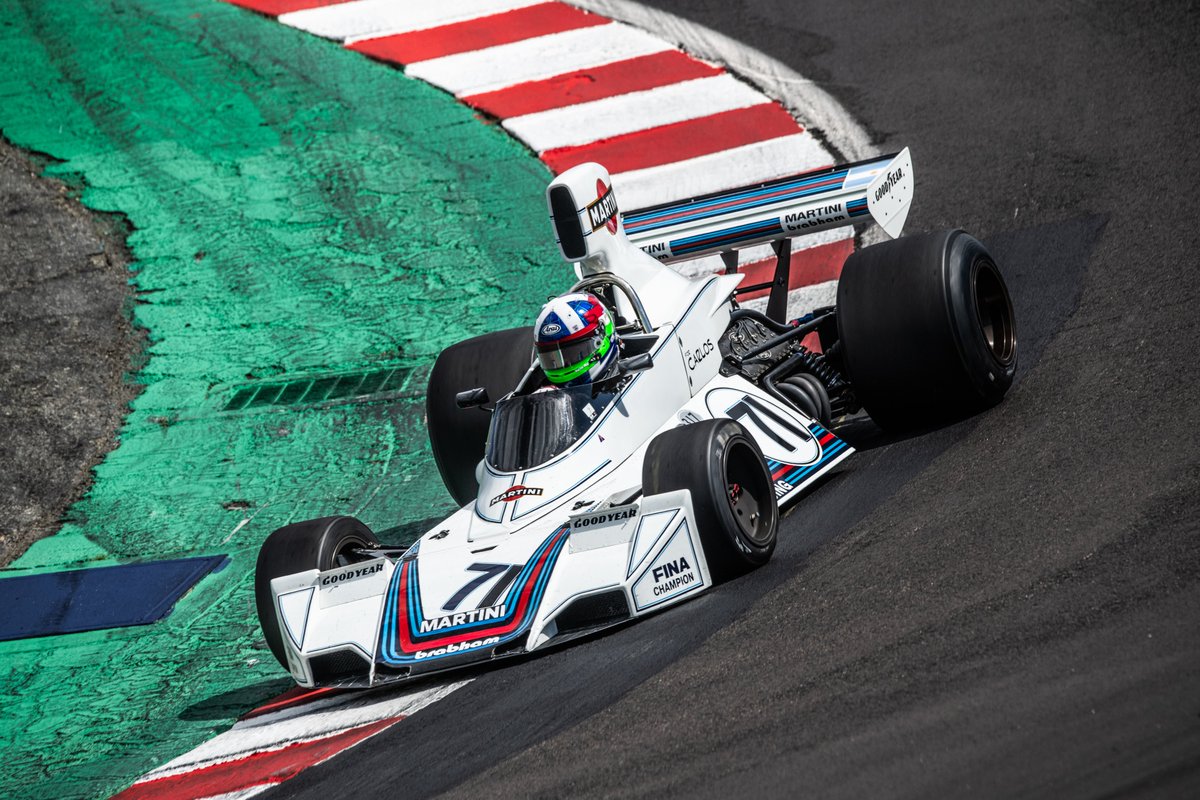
point(880, 189)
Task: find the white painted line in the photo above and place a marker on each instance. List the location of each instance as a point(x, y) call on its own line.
point(242, 795)
point(370, 18)
point(245, 522)
point(807, 101)
point(741, 166)
point(270, 733)
point(536, 58)
point(584, 123)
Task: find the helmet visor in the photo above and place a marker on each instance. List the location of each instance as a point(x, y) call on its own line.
point(566, 360)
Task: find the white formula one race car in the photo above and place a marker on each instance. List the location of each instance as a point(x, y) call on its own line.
point(587, 506)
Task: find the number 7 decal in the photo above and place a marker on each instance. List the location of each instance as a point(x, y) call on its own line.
point(750, 408)
point(503, 574)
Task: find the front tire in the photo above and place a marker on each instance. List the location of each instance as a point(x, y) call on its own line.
point(496, 361)
point(927, 329)
point(733, 495)
point(321, 544)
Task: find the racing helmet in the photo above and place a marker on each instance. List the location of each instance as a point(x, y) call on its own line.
point(575, 340)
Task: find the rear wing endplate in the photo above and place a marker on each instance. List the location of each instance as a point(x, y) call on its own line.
point(880, 189)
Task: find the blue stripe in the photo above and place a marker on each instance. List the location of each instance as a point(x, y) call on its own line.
point(706, 237)
point(389, 619)
point(414, 597)
point(646, 221)
point(514, 590)
point(833, 450)
point(799, 472)
point(534, 602)
point(684, 246)
point(800, 183)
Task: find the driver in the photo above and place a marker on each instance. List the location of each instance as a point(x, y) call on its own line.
point(576, 341)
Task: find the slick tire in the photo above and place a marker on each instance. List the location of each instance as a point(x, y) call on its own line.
point(495, 361)
point(314, 544)
point(733, 496)
point(927, 329)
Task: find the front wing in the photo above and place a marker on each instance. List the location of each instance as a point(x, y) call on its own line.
point(364, 625)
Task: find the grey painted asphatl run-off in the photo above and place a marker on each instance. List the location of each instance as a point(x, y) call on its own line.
point(67, 347)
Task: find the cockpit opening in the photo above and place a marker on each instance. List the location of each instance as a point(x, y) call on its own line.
point(530, 429)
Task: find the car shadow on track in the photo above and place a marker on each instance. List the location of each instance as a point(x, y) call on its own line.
point(1044, 267)
point(237, 702)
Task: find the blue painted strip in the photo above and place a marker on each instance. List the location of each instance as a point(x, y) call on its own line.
point(97, 598)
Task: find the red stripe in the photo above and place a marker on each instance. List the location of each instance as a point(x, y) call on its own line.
point(677, 141)
point(478, 34)
point(277, 7)
point(595, 83)
point(583, 332)
point(714, 207)
point(827, 438)
point(408, 646)
point(812, 265)
point(259, 769)
point(296, 696)
point(779, 473)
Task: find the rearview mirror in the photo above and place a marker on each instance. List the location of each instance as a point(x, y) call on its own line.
point(471, 398)
point(638, 363)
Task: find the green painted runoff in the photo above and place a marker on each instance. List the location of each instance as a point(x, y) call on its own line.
point(298, 210)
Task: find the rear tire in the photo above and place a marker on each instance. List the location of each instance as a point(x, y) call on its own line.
point(314, 544)
point(495, 361)
point(737, 528)
point(927, 329)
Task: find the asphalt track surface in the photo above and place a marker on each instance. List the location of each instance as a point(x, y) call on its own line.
point(1004, 607)
point(1009, 606)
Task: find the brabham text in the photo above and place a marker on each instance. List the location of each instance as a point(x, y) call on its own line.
point(456, 648)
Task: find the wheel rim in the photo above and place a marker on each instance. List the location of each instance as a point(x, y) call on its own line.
point(995, 312)
point(745, 491)
point(347, 551)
